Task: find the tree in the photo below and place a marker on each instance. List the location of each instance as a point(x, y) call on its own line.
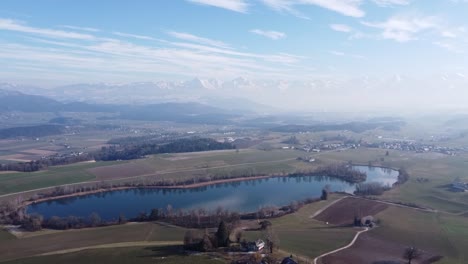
point(324, 194)
point(264, 224)
point(122, 219)
point(206, 244)
point(33, 222)
point(94, 219)
point(154, 215)
point(222, 235)
point(191, 239)
point(411, 253)
point(238, 235)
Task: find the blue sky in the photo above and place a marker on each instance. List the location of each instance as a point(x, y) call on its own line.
point(59, 42)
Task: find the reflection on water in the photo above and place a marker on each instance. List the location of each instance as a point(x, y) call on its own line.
point(242, 196)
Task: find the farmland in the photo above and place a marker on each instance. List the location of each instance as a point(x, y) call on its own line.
point(439, 233)
point(47, 242)
point(121, 255)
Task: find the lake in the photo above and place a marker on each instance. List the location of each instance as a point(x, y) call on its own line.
point(242, 196)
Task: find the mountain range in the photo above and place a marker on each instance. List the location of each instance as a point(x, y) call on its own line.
point(315, 94)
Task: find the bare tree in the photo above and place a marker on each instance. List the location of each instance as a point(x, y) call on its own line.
point(411, 253)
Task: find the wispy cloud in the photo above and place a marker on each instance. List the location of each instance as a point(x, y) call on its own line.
point(450, 46)
point(190, 55)
point(345, 7)
point(341, 28)
point(234, 5)
point(343, 54)
point(89, 29)
point(13, 25)
point(275, 35)
point(386, 3)
point(127, 35)
point(336, 53)
point(405, 28)
point(197, 39)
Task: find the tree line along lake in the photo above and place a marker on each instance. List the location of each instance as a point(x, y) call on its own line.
point(241, 196)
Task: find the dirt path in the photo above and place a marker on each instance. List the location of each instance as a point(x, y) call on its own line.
point(342, 248)
point(324, 208)
point(155, 174)
point(400, 205)
point(115, 245)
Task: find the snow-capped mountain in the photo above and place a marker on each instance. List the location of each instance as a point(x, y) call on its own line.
point(324, 93)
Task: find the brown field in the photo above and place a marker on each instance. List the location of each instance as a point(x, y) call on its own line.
point(120, 171)
point(344, 211)
point(16, 157)
point(39, 152)
point(368, 249)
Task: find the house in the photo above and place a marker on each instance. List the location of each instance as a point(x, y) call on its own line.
point(256, 246)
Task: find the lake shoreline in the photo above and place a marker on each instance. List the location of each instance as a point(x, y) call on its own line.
point(173, 187)
point(27, 203)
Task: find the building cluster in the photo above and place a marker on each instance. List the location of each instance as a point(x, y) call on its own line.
point(414, 147)
point(328, 146)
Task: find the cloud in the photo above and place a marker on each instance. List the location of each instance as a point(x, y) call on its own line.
point(345, 7)
point(337, 53)
point(452, 47)
point(275, 35)
point(12, 25)
point(342, 54)
point(341, 28)
point(103, 58)
point(386, 3)
point(405, 28)
point(197, 39)
point(121, 34)
point(234, 5)
point(89, 29)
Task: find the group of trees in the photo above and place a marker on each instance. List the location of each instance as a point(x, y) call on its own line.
point(371, 188)
point(195, 240)
point(343, 172)
point(226, 234)
point(44, 163)
point(121, 152)
point(35, 222)
point(135, 151)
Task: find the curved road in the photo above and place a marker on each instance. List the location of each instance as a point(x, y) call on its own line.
point(342, 248)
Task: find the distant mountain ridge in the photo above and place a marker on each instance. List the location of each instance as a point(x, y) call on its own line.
point(188, 112)
point(316, 94)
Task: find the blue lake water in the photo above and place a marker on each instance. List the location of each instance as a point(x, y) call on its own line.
point(243, 196)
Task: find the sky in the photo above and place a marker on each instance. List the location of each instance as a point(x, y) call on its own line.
point(54, 42)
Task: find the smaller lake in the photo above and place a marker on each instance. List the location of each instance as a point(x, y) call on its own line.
point(243, 196)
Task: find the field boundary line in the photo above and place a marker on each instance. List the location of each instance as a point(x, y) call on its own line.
point(114, 245)
point(142, 176)
point(326, 207)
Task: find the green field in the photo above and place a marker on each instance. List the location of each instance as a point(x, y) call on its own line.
point(54, 176)
point(441, 234)
point(56, 241)
point(138, 255)
point(175, 167)
point(439, 170)
point(301, 235)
